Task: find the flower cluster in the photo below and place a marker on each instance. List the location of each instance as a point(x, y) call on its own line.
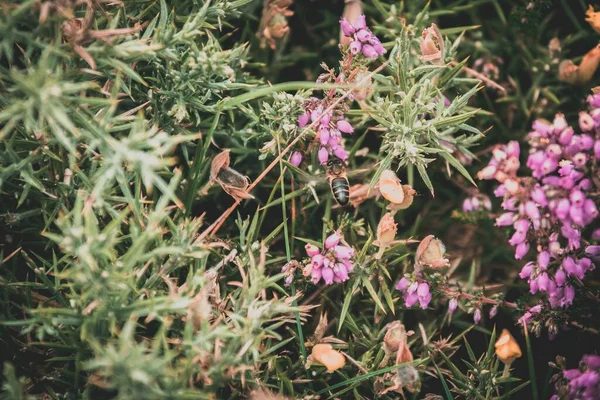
point(331, 125)
point(552, 208)
point(477, 202)
point(414, 291)
point(583, 382)
point(332, 264)
point(363, 40)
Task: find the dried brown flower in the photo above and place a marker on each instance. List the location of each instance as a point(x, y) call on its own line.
point(273, 23)
point(593, 18)
point(232, 182)
point(430, 253)
point(390, 187)
point(386, 233)
point(409, 196)
point(582, 73)
point(432, 45)
point(360, 193)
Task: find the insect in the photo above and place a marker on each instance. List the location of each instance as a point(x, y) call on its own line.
point(338, 181)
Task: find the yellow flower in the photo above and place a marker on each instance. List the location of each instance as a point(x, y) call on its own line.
point(507, 348)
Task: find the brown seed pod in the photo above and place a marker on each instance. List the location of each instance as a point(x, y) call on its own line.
point(231, 181)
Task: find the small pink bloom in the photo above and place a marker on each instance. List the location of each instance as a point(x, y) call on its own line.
point(340, 153)
point(410, 299)
point(347, 27)
point(343, 252)
point(296, 158)
point(560, 277)
point(487, 173)
point(316, 275)
point(303, 119)
point(369, 51)
point(505, 219)
point(402, 284)
point(317, 260)
point(324, 135)
point(361, 22)
point(543, 259)
point(344, 126)
point(521, 250)
point(452, 305)
point(477, 316)
point(526, 271)
point(586, 122)
point(560, 123)
point(355, 47)
point(323, 155)
point(332, 241)
point(364, 35)
point(311, 250)
point(340, 272)
point(327, 274)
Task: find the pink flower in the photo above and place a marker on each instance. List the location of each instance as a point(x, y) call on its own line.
point(327, 274)
point(332, 240)
point(344, 126)
point(369, 51)
point(323, 155)
point(452, 305)
point(296, 158)
point(355, 47)
point(323, 135)
point(347, 27)
point(361, 22)
point(340, 153)
point(343, 252)
point(303, 119)
point(521, 250)
point(311, 250)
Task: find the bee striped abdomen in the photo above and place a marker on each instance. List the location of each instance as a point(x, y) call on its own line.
point(341, 190)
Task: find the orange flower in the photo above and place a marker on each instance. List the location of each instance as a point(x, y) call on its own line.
point(507, 348)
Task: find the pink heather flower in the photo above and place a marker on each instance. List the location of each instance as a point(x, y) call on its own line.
point(316, 275)
point(316, 113)
point(505, 219)
point(586, 123)
point(403, 284)
point(543, 259)
point(592, 251)
point(344, 126)
point(521, 250)
point(423, 294)
point(477, 316)
point(340, 153)
point(323, 155)
point(361, 22)
point(493, 311)
point(327, 274)
point(332, 240)
point(343, 252)
point(526, 270)
point(364, 35)
point(347, 27)
point(296, 158)
point(452, 305)
point(410, 299)
point(560, 123)
point(323, 135)
point(378, 47)
point(311, 250)
point(369, 51)
point(560, 277)
point(303, 119)
point(355, 47)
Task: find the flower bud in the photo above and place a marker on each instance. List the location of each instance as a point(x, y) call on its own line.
point(332, 240)
point(296, 158)
point(507, 348)
point(344, 126)
point(311, 250)
point(347, 28)
point(487, 173)
point(303, 119)
point(323, 155)
point(452, 305)
point(477, 316)
point(369, 51)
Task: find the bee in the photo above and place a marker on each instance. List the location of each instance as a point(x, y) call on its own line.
point(338, 181)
